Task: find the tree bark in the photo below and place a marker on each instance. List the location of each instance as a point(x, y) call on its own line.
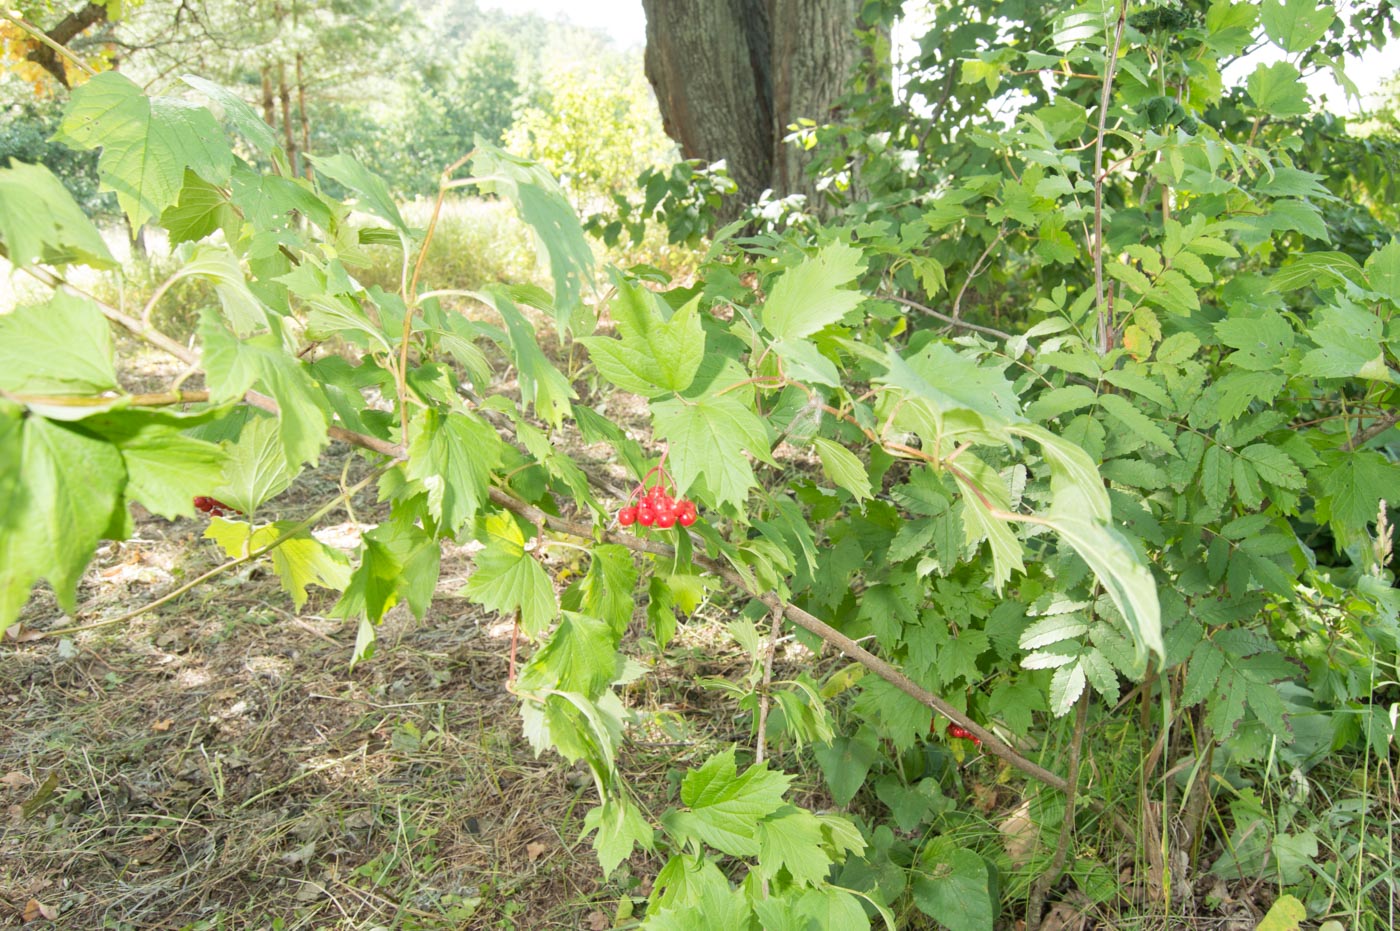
point(731, 75)
point(305, 120)
point(284, 97)
point(269, 109)
point(64, 32)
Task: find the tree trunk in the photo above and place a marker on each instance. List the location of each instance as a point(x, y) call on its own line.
point(64, 32)
point(269, 108)
point(731, 76)
point(284, 96)
point(814, 52)
point(305, 121)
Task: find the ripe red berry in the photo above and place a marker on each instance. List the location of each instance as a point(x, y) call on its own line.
point(666, 519)
point(646, 516)
point(627, 516)
point(685, 518)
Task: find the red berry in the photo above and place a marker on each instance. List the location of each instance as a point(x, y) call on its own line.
point(666, 519)
point(685, 518)
point(627, 516)
point(646, 516)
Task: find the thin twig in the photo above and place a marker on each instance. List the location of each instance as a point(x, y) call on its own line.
point(973, 272)
point(156, 399)
point(1362, 437)
point(764, 686)
point(40, 36)
point(1105, 98)
point(951, 321)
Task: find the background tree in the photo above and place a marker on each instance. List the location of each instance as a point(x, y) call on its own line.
point(731, 77)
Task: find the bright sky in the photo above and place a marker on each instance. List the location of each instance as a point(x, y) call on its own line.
point(621, 19)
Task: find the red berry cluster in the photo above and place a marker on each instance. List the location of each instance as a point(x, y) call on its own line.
point(214, 507)
point(655, 506)
point(962, 733)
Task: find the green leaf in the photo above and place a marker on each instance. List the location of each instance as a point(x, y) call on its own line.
point(507, 579)
point(1066, 685)
point(895, 715)
point(843, 467)
point(1348, 345)
point(1016, 703)
point(541, 384)
point(201, 209)
point(707, 437)
point(233, 366)
point(255, 468)
point(237, 112)
point(832, 907)
point(1262, 341)
point(1060, 401)
point(1075, 484)
point(542, 205)
point(1272, 465)
point(620, 826)
point(40, 221)
point(911, 806)
point(979, 523)
point(70, 493)
point(655, 355)
point(1053, 629)
point(1278, 89)
point(685, 881)
point(299, 560)
point(609, 587)
point(1324, 269)
point(61, 347)
point(1128, 581)
point(1352, 484)
point(397, 560)
point(812, 295)
point(580, 656)
point(952, 382)
point(374, 196)
point(845, 762)
point(1295, 25)
point(726, 808)
point(792, 840)
point(661, 616)
point(147, 142)
point(1383, 271)
point(218, 265)
point(165, 468)
point(1286, 914)
point(958, 657)
point(451, 457)
point(1123, 411)
point(950, 886)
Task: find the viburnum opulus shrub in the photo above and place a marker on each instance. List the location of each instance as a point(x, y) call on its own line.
point(994, 527)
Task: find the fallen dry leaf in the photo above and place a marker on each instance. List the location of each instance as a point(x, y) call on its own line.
point(535, 851)
point(15, 779)
point(597, 921)
point(34, 910)
point(163, 725)
point(1019, 834)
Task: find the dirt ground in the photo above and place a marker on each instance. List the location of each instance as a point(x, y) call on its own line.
point(217, 764)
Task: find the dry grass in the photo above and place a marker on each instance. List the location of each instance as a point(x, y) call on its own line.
point(216, 764)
